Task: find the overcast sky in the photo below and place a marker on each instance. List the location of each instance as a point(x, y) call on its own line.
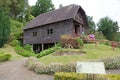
point(96, 8)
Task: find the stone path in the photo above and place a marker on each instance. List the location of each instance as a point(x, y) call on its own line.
point(16, 71)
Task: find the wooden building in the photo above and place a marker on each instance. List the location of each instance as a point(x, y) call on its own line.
point(46, 29)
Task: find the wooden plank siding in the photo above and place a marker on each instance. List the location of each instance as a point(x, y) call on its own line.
point(59, 28)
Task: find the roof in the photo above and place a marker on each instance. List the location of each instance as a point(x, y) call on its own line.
point(57, 15)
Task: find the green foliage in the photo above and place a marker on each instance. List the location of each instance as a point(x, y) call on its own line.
point(114, 76)
point(47, 51)
point(109, 28)
point(28, 47)
point(112, 62)
point(68, 41)
point(14, 7)
point(80, 42)
point(14, 43)
point(77, 76)
point(42, 6)
point(4, 57)
point(99, 36)
point(69, 76)
point(26, 53)
point(92, 54)
point(4, 27)
point(16, 27)
point(51, 68)
point(91, 25)
point(106, 43)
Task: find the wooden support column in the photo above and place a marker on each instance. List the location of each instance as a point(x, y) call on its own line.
point(42, 46)
point(32, 47)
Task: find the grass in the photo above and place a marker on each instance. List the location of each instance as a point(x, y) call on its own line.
point(92, 54)
point(10, 50)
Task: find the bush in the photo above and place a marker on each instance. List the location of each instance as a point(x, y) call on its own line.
point(21, 51)
point(71, 42)
point(14, 43)
point(77, 76)
point(51, 68)
point(47, 51)
point(114, 76)
point(70, 67)
point(30, 63)
point(112, 63)
point(106, 43)
point(28, 47)
point(4, 57)
point(80, 42)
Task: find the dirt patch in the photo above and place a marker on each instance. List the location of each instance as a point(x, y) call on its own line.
point(68, 53)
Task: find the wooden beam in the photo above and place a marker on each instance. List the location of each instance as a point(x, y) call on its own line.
point(42, 46)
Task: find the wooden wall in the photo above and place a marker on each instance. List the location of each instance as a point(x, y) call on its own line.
point(59, 28)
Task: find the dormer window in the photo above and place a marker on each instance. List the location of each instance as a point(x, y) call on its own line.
point(34, 33)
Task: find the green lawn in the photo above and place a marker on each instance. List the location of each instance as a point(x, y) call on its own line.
point(10, 50)
point(92, 54)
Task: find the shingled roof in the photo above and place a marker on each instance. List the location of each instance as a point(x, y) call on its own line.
point(57, 15)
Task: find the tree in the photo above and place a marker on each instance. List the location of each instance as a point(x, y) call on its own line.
point(108, 27)
point(91, 24)
point(4, 27)
point(14, 7)
point(42, 6)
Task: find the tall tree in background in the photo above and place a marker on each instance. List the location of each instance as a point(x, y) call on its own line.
point(108, 27)
point(4, 27)
point(91, 24)
point(42, 6)
point(14, 7)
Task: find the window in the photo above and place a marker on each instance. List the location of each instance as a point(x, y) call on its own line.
point(49, 31)
point(34, 33)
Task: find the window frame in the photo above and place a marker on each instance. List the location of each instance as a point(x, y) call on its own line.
point(49, 31)
point(34, 34)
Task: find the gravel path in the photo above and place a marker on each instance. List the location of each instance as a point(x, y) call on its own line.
point(16, 71)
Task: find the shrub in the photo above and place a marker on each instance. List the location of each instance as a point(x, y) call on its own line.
point(30, 63)
point(106, 43)
point(21, 51)
point(47, 52)
point(40, 68)
point(80, 42)
point(70, 67)
point(71, 42)
point(77, 76)
point(112, 63)
point(114, 76)
point(51, 68)
point(4, 57)
point(14, 43)
point(28, 47)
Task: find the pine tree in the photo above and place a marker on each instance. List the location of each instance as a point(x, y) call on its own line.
point(4, 27)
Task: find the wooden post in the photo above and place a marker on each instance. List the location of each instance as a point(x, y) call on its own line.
point(42, 46)
point(96, 43)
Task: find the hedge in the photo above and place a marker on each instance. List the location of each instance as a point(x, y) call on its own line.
point(68, 76)
point(4, 57)
point(24, 52)
point(51, 68)
point(47, 51)
point(77, 76)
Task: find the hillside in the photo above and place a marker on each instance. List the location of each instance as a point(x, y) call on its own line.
point(92, 54)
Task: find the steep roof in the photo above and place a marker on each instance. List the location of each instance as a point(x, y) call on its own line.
point(57, 15)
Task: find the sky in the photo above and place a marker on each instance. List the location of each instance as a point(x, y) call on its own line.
point(96, 8)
